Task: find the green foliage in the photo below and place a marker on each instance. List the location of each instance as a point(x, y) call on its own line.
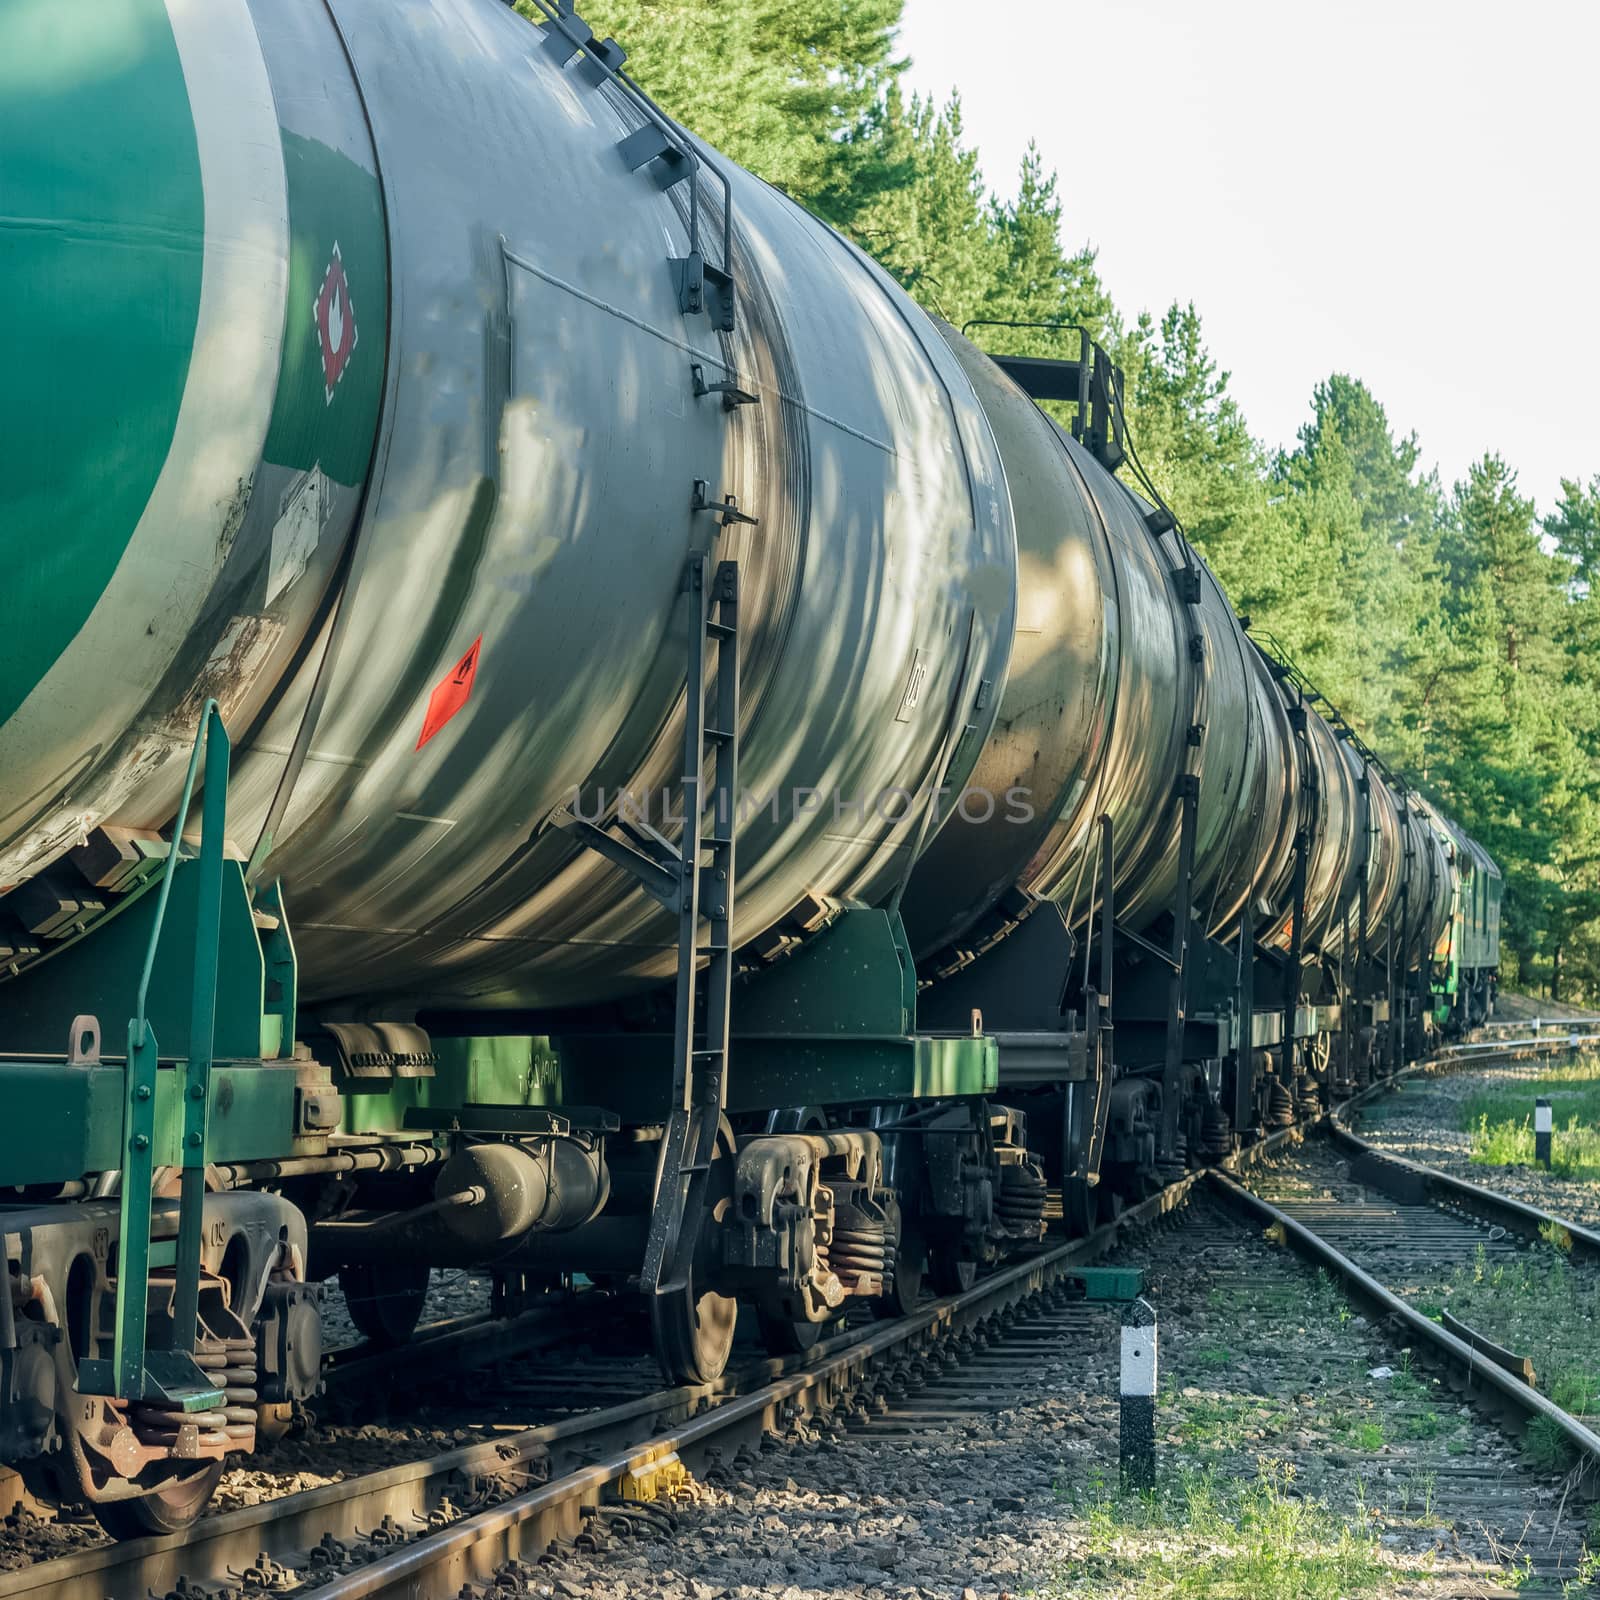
point(1575, 527)
point(1366, 1436)
point(1500, 1121)
point(931, 230)
point(1544, 1308)
point(1192, 440)
point(1216, 1535)
point(1459, 632)
point(1547, 1448)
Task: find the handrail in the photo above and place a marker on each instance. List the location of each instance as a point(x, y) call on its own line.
point(562, 16)
point(139, 1025)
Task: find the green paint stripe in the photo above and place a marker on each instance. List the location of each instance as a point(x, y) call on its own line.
point(102, 218)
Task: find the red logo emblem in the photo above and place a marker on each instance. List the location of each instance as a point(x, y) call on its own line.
point(336, 324)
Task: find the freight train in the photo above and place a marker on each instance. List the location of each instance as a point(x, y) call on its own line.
point(553, 720)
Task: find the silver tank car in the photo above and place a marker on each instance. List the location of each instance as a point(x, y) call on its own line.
point(528, 509)
point(426, 439)
point(1118, 688)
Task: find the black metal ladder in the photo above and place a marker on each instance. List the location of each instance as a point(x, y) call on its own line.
point(705, 888)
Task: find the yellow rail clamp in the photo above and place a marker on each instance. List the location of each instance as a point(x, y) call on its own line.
point(656, 1479)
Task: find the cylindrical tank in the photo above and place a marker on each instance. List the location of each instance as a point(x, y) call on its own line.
point(1333, 845)
point(1427, 884)
point(193, 260)
point(1384, 863)
point(1117, 687)
point(1446, 883)
point(528, 508)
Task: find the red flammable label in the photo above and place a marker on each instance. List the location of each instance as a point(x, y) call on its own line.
point(336, 323)
point(451, 693)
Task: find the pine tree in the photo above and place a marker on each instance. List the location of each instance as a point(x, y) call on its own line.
point(784, 87)
point(1352, 493)
point(1039, 282)
point(1394, 499)
point(931, 231)
point(1511, 753)
point(1575, 527)
point(1192, 440)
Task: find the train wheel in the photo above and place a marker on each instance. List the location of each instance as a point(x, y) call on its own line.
point(693, 1332)
point(168, 1510)
point(949, 1271)
point(910, 1265)
point(1080, 1206)
point(691, 1329)
point(785, 1338)
point(385, 1299)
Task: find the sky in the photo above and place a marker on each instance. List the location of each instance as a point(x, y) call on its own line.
point(1405, 192)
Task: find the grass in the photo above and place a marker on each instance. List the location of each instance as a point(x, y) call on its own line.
point(1543, 1307)
point(1547, 1447)
point(1224, 1422)
point(1500, 1120)
point(1424, 1424)
point(1556, 1236)
point(1588, 1576)
point(1201, 1534)
point(1365, 1436)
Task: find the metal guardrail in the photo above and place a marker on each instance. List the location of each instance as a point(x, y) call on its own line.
point(1561, 1024)
point(1566, 1039)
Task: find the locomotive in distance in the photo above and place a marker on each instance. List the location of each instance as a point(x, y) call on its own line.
point(413, 434)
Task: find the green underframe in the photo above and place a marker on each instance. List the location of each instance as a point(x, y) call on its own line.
point(834, 1024)
point(72, 1116)
point(838, 1018)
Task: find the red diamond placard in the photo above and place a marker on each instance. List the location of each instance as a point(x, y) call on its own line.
point(336, 324)
point(450, 694)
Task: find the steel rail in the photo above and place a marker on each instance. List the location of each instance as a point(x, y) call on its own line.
point(219, 1547)
point(473, 1548)
point(1518, 1216)
point(470, 1340)
point(1389, 1306)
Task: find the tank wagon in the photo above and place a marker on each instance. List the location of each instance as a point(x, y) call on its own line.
point(554, 720)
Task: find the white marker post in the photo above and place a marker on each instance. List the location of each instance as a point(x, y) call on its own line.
point(1137, 1446)
point(1542, 1124)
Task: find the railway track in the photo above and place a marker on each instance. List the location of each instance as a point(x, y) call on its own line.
point(451, 1356)
point(1409, 1180)
point(1499, 1296)
point(428, 1526)
point(1483, 1518)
